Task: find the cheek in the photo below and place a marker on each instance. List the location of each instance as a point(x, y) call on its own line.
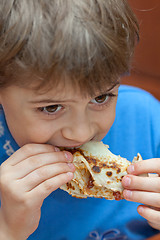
point(106, 120)
point(33, 133)
point(41, 134)
point(108, 117)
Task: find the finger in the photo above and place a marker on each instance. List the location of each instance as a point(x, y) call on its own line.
point(32, 163)
point(146, 166)
point(152, 215)
point(29, 150)
point(147, 198)
point(155, 225)
point(44, 173)
point(150, 184)
point(47, 187)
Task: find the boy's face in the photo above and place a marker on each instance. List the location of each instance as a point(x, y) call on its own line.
point(61, 117)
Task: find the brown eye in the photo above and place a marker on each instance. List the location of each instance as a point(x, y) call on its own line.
point(51, 109)
point(101, 99)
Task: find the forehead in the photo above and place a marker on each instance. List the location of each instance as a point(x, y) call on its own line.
point(36, 86)
point(64, 86)
point(61, 92)
point(69, 91)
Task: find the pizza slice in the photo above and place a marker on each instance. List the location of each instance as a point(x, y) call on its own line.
point(98, 172)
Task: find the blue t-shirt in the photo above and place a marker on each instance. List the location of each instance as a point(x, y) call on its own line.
point(136, 129)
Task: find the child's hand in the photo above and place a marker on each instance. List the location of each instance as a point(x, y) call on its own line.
point(145, 190)
point(26, 179)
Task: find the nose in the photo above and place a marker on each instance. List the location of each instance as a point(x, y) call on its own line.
point(80, 130)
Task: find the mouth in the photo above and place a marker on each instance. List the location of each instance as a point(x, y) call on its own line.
point(70, 147)
point(73, 146)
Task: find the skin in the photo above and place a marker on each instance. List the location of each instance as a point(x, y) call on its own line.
point(40, 124)
point(145, 190)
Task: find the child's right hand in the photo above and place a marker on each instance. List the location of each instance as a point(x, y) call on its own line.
point(26, 179)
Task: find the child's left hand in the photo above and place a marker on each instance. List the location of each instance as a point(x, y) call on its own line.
point(145, 190)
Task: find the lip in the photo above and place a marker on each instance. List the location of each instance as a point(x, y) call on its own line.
point(74, 146)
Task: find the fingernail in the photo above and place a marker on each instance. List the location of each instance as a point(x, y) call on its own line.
point(68, 156)
point(57, 149)
point(130, 168)
point(140, 209)
point(127, 194)
point(71, 166)
point(127, 181)
point(70, 174)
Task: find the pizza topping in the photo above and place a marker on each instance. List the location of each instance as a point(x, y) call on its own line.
point(90, 182)
point(117, 195)
point(118, 170)
point(96, 169)
point(69, 185)
point(109, 174)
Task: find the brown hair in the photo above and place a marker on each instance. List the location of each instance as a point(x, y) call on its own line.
point(89, 41)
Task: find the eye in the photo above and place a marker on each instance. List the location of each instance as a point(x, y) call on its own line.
point(100, 99)
point(52, 109)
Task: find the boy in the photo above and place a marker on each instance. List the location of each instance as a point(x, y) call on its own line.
point(61, 63)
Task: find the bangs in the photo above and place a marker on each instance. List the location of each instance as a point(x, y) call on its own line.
point(88, 85)
point(88, 43)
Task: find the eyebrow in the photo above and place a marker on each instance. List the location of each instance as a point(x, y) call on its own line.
point(109, 89)
point(48, 100)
